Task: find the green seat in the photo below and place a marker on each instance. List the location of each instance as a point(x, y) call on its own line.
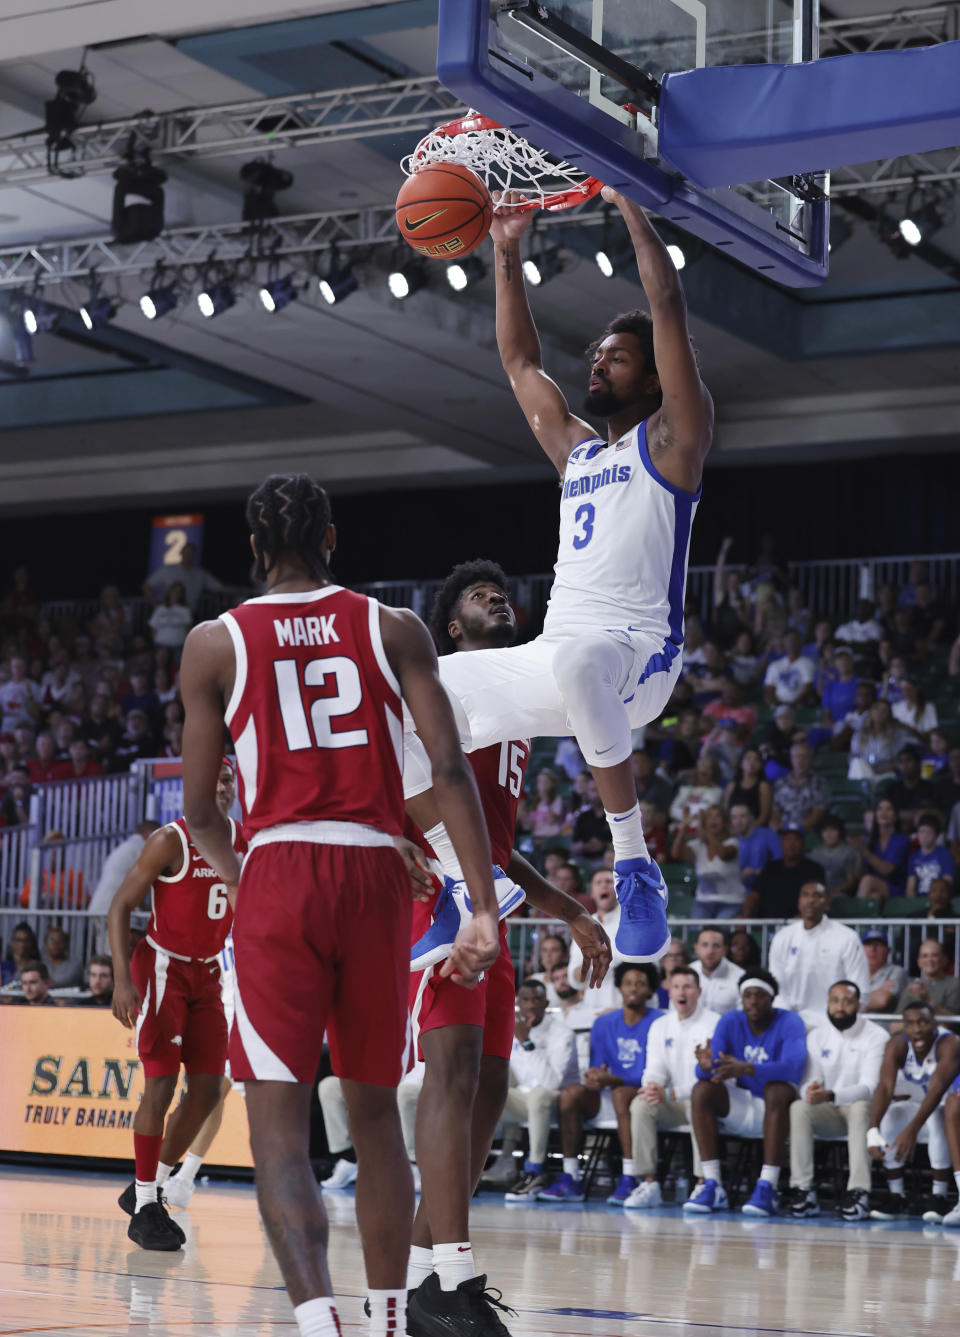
point(680, 905)
point(808, 714)
point(678, 876)
point(854, 907)
point(832, 763)
point(841, 787)
point(900, 907)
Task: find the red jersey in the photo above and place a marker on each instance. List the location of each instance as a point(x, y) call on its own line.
point(499, 771)
point(191, 914)
point(316, 714)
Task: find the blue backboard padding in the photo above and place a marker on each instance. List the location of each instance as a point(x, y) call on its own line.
point(725, 125)
point(556, 119)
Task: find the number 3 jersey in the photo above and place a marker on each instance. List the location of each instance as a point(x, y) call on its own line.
point(624, 544)
point(191, 915)
point(315, 715)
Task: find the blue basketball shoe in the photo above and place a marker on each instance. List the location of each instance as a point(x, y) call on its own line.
point(624, 1187)
point(452, 909)
point(642, 934)
point(565, 1189)
point(709, 1197)
point(762, 1201)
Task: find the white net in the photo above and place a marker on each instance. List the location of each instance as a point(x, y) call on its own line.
point(504, 161)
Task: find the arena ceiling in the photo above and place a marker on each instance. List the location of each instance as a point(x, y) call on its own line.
point(374, 392)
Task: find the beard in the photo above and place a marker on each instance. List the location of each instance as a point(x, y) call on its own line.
point(843, 1023)
point(602, 403)
point(564, 994)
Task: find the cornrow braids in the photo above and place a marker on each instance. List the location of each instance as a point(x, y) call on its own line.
point(289, 513)
point(447, 598)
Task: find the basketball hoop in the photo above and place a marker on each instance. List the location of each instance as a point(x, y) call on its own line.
point(505, 162)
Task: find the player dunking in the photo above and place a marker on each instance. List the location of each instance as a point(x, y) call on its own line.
point(612, 641)
point(311, 679)
point(170, 991)
point(466, 1038)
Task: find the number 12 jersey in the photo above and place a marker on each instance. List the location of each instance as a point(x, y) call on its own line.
point(315, 713)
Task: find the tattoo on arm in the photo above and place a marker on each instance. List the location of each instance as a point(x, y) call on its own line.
point(508, 266)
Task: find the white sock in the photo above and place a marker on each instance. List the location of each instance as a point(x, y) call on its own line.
point(317, 1318)
point(771, 1173)
point(939, 1188)
point(711, 1170)
point(626, 828)
point(388, 1313)
point(571, 1166)
point(896, 1186)
point(453, 1263)
point(188, 1170)
point(163, 1173)
point(146, 1192)
point(629, 1167)
point(956, 1179)
point(419, 1266)
point(443, 849)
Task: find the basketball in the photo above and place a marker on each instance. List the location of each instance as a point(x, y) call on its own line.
point(444, 210)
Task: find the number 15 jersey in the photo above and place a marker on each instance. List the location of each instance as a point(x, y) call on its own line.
point(315, 715)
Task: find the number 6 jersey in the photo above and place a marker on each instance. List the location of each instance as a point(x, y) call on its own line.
point(315, 715)
point(191, 915)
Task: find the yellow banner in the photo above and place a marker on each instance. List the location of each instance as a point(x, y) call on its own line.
point(72, 1082)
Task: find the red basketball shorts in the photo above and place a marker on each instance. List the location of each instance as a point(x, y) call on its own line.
point(321, 941)
point(436, 1001)
point(181, 1013)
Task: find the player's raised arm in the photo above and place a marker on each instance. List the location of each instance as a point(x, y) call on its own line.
point(680, 433)
point(206, 677)
point(413, 658)
point(161, 855)
point(543, 404)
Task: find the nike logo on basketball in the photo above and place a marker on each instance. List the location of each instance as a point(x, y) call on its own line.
point(412, 226)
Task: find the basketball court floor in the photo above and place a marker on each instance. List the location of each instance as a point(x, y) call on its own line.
point(66, 1266)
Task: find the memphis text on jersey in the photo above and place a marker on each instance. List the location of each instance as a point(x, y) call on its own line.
point(109, 1079)
point(582, 487)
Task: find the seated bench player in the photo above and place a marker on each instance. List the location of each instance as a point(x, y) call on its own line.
point(747, 1076)
point(169, 992)
point(618, 1055)
point(844, 1054)
point(936, 1216)
point(663, 1101)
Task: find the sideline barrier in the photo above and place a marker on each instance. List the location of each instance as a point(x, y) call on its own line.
point(72, 1083)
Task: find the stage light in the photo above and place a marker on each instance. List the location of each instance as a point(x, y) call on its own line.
point(138, 199)
point(159, 301)
point(263, 182)
point(97, 312)
point(339, 283)
point(406, 280)
point(545, 265)
point(216, 298)
point(277, 293)
point(910, 232)
point(463, 274)
point(676, 254)
point(604, 264)
point(75, 92)
point(38, 316)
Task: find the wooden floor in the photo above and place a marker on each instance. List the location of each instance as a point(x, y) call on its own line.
point(66, 1266)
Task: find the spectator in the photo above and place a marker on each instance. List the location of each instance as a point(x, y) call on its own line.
point(715, 855)
point(552, 951)
point(568, 878)
point(789, 680)
point(679, 751)
point(45, 767)
point(554, 859)
point(769, 617)
point(777, 889)
point(936, 906)
point(927, 617)
point(65, 731)
point(744, 662)
point(935, 988)
point(887, 980)
point(845, 729)
point(692, 799)
point(195, 579)
point(813, 950)
point(730, 707)
point(618, 1052)
point(663, 1101)
point(874, 746)
point(840, 693)
point(936, 760)
point(35, 983)
point(749, 788)
point(577, 1013)
point(918, 574)
point(693, 641)
point(111, 617)
point(99, 982)
point(719, 977)
point(651, 788)
point(838, 859)
point(927, 1059)
point(798, 614)
point(655, 831)
point(141, 695)
point(744, 950)
point(708, 677)
point(930, 860)
point(747, 1077)
point(81, 765)
point(895, 673)
point(863, 630)
point(568, 757)
point(22, 947)
point(591, 834)
point(844, 1056)
point(543, 1064)
point(914, 711)
point(15, 808)
point(60, 887)
point(909, 793)
point(63, 972)
point(731, 610)
point(117, 865)
point(19, 697)
point(548, 816)
point(164, 687)
point(171, 620)
point(884, 852)
point(19, 601)
point(136, 742)
point(607, 913)
point(802, 797)
point(100, 731)
point(776, 740)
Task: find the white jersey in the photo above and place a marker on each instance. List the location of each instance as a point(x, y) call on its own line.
point(624, 545)
point(919, 1073)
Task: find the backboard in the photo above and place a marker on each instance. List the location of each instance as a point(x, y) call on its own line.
point(583, 79)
